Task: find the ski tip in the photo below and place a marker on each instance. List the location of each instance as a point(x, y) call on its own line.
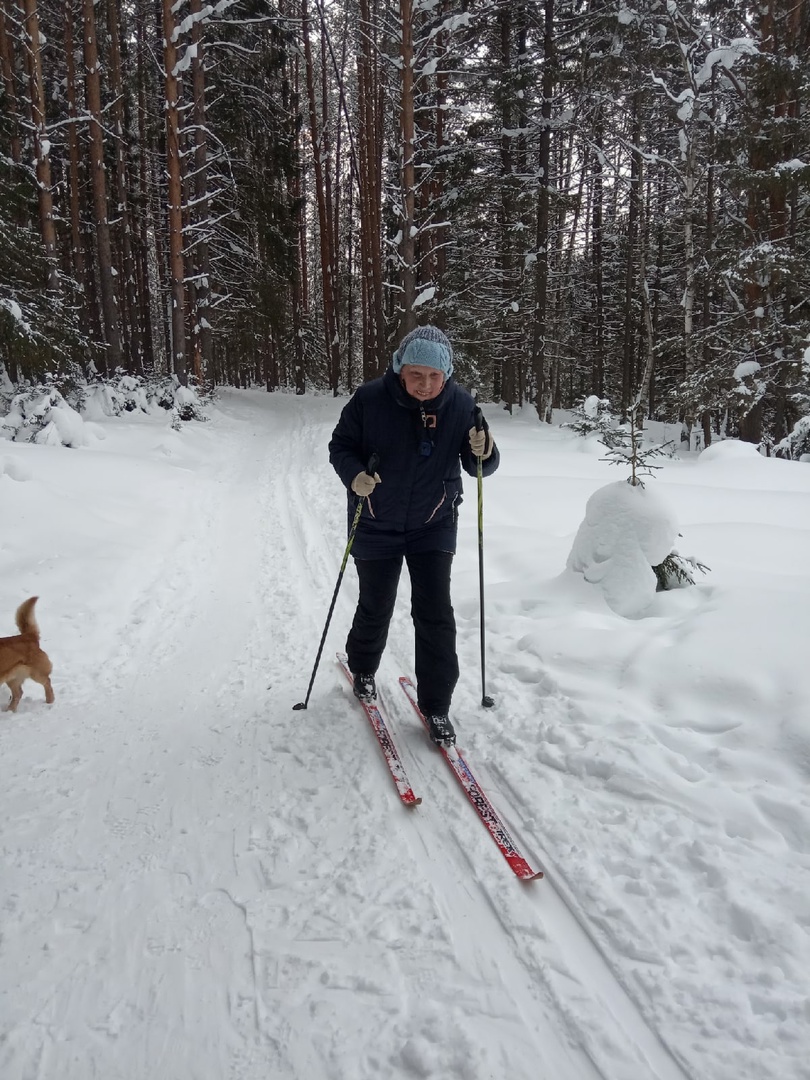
point(417, 801)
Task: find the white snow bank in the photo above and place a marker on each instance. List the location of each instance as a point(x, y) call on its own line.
point(729, 450)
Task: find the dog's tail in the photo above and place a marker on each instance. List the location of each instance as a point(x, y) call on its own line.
point(26, 622)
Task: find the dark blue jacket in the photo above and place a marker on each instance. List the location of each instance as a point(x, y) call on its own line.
point(421, 450)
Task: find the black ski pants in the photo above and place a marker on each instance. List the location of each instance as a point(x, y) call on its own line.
point(436, 661)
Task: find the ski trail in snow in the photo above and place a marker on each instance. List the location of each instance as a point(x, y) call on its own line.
point(533, 940)
point(521, 956)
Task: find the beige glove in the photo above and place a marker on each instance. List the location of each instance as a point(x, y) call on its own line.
point(363, 484)
point(481, 443)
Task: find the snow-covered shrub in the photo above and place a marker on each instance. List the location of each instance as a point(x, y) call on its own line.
point(135, 393)
point(40, 414)
point(626, 532)
point(187, 406)
point(116, 395)
point(54, 409)
point(796, 446)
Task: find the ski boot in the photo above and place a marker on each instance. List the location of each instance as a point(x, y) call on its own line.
point(441, 730)
point(365, 688)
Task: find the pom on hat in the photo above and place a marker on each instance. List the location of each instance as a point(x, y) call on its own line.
point(426, 346)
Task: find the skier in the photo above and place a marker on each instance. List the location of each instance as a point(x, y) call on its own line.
point(419, 424)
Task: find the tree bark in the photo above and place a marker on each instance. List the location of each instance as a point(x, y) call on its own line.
point(202, 263)
point(370, 141)
point(92, 86)
point(7, 70)
point(41, 141)
point(633, 214)
point(175, 197)
point(407, 246)
point(77, 259)
point(128, 294)
point(325, 232)
point(143, 190)
point(542, 399)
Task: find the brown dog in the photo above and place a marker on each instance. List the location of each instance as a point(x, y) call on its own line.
point(21, 657)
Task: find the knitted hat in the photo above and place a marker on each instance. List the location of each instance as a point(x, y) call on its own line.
point(426, 346)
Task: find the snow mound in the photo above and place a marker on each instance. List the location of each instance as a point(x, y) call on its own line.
point(15, 469)
point(627, 530)
point(729, 450)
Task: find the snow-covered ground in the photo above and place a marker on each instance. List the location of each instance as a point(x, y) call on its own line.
point(199, 883)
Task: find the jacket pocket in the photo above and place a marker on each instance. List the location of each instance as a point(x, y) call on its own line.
point(448, 503)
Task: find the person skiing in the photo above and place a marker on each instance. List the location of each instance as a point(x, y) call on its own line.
point(418, 427)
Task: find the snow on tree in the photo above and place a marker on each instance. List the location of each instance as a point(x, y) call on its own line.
point(626, 532)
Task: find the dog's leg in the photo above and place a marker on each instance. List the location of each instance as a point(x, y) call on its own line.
point(46, 683)
point(16, 693)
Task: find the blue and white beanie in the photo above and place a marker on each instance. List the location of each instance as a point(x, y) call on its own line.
point(426, 346)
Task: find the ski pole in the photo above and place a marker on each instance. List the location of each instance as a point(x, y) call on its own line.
point(374, 461)
point(481, 425)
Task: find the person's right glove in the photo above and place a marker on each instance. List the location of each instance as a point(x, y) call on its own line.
point(363, 484)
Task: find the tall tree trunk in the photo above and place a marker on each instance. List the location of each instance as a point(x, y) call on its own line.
point(295, 200)
point(7, 70)
point(128, 295)
point(92, 86)
point(597, 257)
point(175, 196)
point(41, 140)
point(141, 235)
point(633, 213)
point(504, 380)
point(370, 188)
point(325, 232)
point(542, 400)
point(202, 262)
point(407, 246)
point(77, 259)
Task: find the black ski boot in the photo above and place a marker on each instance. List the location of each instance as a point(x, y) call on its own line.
point(365, 688)
point(441, 730)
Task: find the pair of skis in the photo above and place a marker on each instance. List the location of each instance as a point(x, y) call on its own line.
point(461, 769)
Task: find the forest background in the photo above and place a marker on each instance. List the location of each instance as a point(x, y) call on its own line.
point(592, 198)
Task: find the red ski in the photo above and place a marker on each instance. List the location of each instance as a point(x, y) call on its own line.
point(483, 807)
point(387, 745)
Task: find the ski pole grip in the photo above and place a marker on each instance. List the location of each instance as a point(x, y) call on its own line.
point(373, 462)
point(480, 422)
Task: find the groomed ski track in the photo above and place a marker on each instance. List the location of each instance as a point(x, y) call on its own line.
point(216, 886)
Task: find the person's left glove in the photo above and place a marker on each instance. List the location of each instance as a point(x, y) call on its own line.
point(481, 443)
